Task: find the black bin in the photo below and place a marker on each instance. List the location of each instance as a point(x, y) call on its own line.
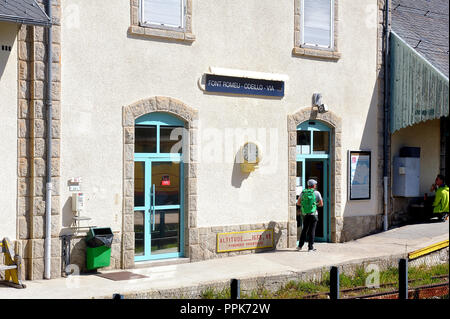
point(99, 236)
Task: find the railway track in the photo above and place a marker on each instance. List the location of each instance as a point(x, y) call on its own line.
point(363, 292)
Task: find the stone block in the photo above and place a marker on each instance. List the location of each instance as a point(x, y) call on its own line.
point(23, 168)
point(128, 223)
point(23, 186)
point(195, 253)
point(39, 148)
point(39, 128)
point(24, 49)
point(39, 167)
point(129, 170)
point(38, 206)
point(128, 241)
point(37, 269)
point(22, 128)
point(129, 135)
point(193, 236)
point(37, 248)
point(128, 259)
point(55, 267)
point(56, 129)
point(192, 186)
point(129, 188)
point(129, 152)
point(23, 206)
point(40, 52)
point(24, 231)
point(38, 227)
point(193, 203)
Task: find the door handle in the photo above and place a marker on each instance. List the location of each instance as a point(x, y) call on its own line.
point(153, 207)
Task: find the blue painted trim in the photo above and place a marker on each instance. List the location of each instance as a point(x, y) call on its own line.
point(174, 157)
point(318, 126)
point(312, 156)
point(157, 257)
point(147, 208)
point(167, 207)
point(159, 118)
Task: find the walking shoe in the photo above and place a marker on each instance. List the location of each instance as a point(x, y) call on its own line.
point(299, 248)
point(310, 250)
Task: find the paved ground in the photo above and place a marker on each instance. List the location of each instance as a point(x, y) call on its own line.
point(393, 242)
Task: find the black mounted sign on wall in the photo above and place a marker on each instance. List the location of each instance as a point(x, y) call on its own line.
point(245, 86)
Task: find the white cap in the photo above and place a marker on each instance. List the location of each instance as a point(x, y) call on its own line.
point(311, 182)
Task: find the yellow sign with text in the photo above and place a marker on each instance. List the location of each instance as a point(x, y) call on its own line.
point(242, 240)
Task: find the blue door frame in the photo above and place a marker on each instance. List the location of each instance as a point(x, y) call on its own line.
point(309, 155)
point(150, 208)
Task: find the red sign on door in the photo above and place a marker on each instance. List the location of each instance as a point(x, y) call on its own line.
point(165, 181)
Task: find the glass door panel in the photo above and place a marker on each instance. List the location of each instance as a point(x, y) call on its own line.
point(166, 234)
point(299, 187)
point(139, 184)
point(165, 231)
point(139, 233)
point(158, 208)
point(316, 170)
point(166, 178)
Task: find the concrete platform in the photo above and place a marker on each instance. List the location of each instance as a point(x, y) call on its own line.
point(273, 268)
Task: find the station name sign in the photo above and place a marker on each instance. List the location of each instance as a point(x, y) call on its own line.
point(252, 239)
point(243, 86)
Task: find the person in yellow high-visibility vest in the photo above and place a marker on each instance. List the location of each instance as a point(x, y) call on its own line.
point(441, 201)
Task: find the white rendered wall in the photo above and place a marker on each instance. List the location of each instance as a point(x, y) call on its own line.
point(8, 131)
point(104, 68)
point(425, 135)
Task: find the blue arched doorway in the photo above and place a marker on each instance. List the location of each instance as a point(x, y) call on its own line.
point(158, 187)
point(313, 161)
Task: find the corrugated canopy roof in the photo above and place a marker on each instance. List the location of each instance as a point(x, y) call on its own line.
point(423, 24)
point(419, 62)
point(23, 11)
point(419, 91)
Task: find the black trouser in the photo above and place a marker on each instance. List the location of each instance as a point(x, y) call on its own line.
point(309, 230)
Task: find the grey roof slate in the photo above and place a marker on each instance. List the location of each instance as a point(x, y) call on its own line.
point(23, 11)
point(423, 24)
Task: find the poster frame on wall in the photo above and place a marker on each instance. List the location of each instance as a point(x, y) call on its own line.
point(359, 191)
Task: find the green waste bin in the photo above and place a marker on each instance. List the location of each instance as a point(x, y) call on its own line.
point(98, 247)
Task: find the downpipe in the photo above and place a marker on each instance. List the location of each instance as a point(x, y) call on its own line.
point(386, 117)
point(48, 188)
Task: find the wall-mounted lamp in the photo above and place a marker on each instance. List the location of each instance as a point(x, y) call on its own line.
point(317, 101)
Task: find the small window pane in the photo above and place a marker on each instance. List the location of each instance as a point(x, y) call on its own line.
point(321, 143)
point(145, 139)
point(317, 22)
point(139, 235)
point(303, 142)
point(299, 179)
point(171, 139)
point(139, 184)
point(163, 12)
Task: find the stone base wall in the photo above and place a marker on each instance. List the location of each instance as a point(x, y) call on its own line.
point(360, 226)
point(274, 282)
point(78, 253)
point(401, 214)
point(203, 240)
